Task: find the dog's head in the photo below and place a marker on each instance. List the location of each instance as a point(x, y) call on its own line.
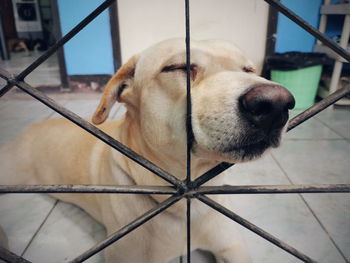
point(236, 115)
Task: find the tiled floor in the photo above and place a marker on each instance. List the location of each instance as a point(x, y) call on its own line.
point(44, 230)
point(47, 74)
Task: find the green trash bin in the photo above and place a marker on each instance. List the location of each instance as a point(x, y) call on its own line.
point(302, 83)
point(300, 73)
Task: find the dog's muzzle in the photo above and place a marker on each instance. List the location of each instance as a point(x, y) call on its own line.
point(264, 109)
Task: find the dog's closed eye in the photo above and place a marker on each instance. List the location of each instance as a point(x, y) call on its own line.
point(249, 69)
point(182, 67)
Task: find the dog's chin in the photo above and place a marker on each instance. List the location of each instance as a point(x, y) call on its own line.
point(248, 152)
point(239, 152)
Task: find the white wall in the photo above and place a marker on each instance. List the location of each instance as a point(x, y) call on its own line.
point(242, 22)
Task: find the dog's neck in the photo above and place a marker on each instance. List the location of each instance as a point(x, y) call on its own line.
point(171, 158)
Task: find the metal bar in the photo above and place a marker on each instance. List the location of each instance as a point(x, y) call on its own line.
point(115, 34)
point(10, 257)
point(309, 28)
point(5, 89)
point(127, 229)
point(57, 29)
point(223, 210)
point(216, 170)
point(297, 120)
point(97, 189)
point(271, 189)
point(5, 55)
point(321, 105)
point(6, 76)
point(100, 134)
point(189, 132)
point(188, 228)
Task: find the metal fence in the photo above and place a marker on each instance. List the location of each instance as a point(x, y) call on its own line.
point(178, 190)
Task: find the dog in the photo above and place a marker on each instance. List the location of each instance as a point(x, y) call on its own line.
point(236, 117)
point(17, 45)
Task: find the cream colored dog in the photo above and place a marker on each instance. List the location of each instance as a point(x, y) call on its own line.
point(236, 117)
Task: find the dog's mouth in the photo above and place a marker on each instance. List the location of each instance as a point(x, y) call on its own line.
point(251, 148)
point(245, 147)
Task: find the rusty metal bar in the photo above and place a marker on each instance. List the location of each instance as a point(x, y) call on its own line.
point(321, 105)
point(189, 131)
point(167, 190)
point(6, 76)
point(10, 257)
point(245, 223)
point(271, 189)
point(100, 134)
point(128, 228)
point(188, 228)
point(210, 174)
point(84, 189)
point(5, 89)
point(309, 28)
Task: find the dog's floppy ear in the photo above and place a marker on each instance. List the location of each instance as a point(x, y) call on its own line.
point(114, 89)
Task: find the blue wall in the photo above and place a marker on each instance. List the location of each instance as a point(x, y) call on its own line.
point(290, 36)
point(90, 51)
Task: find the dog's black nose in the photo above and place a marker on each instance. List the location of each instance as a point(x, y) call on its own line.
point(266, 106)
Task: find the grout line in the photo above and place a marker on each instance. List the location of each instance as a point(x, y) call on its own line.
point(310, 209)
point(330, 127)
point(39, 228)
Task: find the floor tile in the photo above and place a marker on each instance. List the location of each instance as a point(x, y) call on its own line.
point(333, 210)
point(315, 162)
point(310, 129)
point(322, 162)
point(84, 108)
point(338, 120)
point(17, 114)
point(66, 234)
point(46, 74)
point(263, 171)
point(285, 216)
point(21, 216)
